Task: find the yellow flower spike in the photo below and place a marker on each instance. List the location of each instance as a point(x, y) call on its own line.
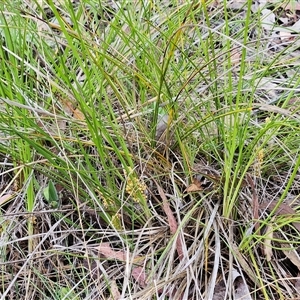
point(260, 156)
point(134, 186)
point(258, 162)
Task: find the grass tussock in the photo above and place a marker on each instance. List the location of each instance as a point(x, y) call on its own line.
point(148, 150)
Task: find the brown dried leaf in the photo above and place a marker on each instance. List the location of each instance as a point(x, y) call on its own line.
point(235, 55)
point(171, 220)
point(275, 109)
point(139, 275)
point(72, 110)
point(109, 253)
point(115, 294)
point(78, 115)
point(195, 186)
point(282, 210)
point(268, 242)
point(179, 248)
point(121, 255)
point(292, 255)
point(67, 106)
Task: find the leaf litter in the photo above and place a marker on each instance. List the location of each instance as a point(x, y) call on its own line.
point(202, 258)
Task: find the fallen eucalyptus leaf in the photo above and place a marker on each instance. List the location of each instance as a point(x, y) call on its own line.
point(282, 209)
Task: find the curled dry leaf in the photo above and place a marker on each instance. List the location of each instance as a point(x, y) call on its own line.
point(241, 290)
point(195, 186)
